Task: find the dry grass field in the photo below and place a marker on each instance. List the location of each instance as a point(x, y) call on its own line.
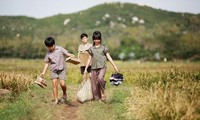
point(151, 90)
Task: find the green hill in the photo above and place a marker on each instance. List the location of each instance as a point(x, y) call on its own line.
point(130, 31)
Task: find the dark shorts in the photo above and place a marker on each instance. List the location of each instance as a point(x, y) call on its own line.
point(58, 74)
point(82, 68)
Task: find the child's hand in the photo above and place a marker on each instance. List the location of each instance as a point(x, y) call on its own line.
point(116, 70)
point(42, 75)
point(84, 76)
point(72, 55)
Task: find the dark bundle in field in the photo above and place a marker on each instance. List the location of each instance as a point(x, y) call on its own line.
point(116, 79)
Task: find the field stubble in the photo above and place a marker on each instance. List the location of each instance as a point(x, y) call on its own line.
point(153, 90)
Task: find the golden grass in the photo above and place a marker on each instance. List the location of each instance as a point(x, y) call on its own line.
point(173, 93)
point(168, 90)
point(15, 81)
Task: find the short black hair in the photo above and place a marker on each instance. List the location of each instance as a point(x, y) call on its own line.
point(83, 35)
point(96, 35)
point(49, 41)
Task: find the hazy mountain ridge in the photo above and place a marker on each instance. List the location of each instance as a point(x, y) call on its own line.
point(138, 31)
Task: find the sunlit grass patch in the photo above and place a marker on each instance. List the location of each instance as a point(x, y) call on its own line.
point(117, 100)
point(112, 109)
point(151, 90)
point(20, 109)
point(15, 81)
point(165, 94)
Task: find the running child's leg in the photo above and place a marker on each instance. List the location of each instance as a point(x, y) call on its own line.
point(55, 89)
point(64, 88)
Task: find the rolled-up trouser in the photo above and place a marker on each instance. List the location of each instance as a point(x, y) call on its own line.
point(98, 82)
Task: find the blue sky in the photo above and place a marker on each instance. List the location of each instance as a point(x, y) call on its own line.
point(45, 8)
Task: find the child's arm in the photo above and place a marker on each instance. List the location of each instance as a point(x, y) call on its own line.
point(45, 69)
point(69, 55)
point(88, 63)
point(111, 61)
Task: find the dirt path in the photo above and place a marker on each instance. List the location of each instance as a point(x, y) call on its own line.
point(69, 110)
point(45, 108)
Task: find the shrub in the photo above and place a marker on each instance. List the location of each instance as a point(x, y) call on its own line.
point(15, 81)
